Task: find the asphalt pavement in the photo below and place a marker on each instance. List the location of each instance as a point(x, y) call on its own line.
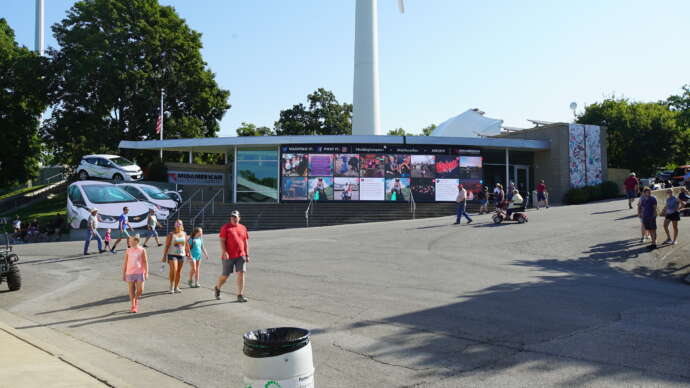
point(570, 298)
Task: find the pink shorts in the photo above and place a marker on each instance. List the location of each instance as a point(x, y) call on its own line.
point(134, 277)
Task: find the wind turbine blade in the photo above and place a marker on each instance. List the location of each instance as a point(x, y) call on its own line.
point(401, 6)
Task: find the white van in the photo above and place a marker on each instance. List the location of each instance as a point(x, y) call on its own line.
point(162, 202)
point(109, 199)
point(112, 167)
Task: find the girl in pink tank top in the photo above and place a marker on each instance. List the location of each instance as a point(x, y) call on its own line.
point(135, 270)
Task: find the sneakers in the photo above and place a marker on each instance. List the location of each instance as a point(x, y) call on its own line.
point(668, 241)
point(160, 245)
point(101, 251)
point(469, 222)
point(172, 290)
point(197, 285)
point(191, 285)
point(641, 240)
point(241, 299)
point(216, 292)
point(178, 291)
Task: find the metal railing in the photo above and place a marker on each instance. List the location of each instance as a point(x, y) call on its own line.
point(309, 208)
point(62, 175)
point(413, 206)
point(179, 208)
point(211, 202)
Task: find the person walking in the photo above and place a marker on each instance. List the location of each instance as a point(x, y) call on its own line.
point(234, 248)
point(541, 195)
point(151, 224)
point(17, 225)
point(648, 213)
point(632, 186)
point(135, 271)
point(176, 249)
point(483, 197)
point(197, 250)
point(461, 201)
point(122, 226)
point(92, 232)
point(671, 214)
point(107, 239)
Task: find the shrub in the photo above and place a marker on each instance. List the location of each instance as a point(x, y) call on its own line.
point(157, 171)
point(609, 189)
point(575, 196)
point(586, 194)
point(593, 193)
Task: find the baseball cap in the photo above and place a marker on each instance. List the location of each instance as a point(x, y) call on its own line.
point(235, 213)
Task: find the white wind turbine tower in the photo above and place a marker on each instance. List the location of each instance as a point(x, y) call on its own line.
point(365, 114)
point(40, 22)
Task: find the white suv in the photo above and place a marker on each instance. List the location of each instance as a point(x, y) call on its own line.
point(112, 167)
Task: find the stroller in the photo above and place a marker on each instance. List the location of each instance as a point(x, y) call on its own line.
point(505, 214)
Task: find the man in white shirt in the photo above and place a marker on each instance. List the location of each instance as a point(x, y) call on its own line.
point(92, 232)
point(461, 200)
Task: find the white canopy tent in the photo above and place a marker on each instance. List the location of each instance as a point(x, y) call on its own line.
point(470, 123)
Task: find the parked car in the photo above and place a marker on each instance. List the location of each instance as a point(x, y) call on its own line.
point(162, 202)
point(112, 167)
point(109, 199)
point(649, 182)
point(679, 175)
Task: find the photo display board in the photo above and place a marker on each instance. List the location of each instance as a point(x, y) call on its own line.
point(377, 172)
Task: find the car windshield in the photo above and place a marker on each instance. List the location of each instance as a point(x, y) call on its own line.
point(120, 161)
point(107, 194)
point(154, 192)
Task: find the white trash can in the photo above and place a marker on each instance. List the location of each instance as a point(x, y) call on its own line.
point(278, 358)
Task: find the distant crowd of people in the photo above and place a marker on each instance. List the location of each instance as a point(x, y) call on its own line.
point(32, 231)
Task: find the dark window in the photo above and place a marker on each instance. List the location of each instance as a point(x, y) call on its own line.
point(135, 193)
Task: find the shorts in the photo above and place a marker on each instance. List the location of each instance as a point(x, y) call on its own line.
point(649, 223)
point(631, 194)
point(176, 257)
point(238, 264)
point(196, 257)
point(483, 202)
point(134, 277)
point(541, 196)
point(122, 234)
point(152, 233)
point(675, 216)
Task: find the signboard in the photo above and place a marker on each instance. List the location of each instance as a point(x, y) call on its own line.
point(196, 178)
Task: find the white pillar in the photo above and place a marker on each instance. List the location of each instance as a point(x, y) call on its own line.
point(365, 99)
point(40, 26)
point(190, 157)
point(234, 177)
point(507, 170)
point(225, 154)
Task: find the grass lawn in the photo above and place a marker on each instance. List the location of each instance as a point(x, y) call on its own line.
point(20, 191)
point(45, 211)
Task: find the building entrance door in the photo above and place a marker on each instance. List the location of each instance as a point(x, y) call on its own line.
point(522, 179)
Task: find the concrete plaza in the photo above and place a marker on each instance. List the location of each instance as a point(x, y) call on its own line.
point(571, 298)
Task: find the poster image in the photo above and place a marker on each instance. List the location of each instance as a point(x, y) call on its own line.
point(447, 190)
point(398, 189)
point(372, 189)
point(447, 166)
point(471, 173)
point(346, 189)
point(321, 188)
point(346, 165)
point(471, 161)
point(398, 166)
point(423, 166)
point(320, 165)
point(372, 166)
point(473, 185)
point(295, 164)
point(294, 188)
point(424, 190)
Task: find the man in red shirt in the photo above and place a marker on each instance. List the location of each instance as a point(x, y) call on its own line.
point(632, 185)
point(541, 195)
point(234, 248)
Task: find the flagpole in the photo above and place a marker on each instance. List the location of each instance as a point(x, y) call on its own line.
point(162, 119)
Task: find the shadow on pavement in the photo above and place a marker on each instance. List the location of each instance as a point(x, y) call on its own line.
point(552, 322)
point(114, 299)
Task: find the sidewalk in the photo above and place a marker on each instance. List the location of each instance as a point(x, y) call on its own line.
point(29, 365)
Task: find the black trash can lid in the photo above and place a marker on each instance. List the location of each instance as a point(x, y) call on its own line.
point(275, 341)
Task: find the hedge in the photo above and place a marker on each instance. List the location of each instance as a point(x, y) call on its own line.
point(586, 194)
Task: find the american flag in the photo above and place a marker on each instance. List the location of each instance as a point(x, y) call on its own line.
point(159, 123)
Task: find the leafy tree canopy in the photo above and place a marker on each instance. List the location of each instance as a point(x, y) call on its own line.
point(23, 97)
point(426, 131)
point(399, 132)
point(249, 129)
point(641, 136)
point(114, 58)
point(323, 116)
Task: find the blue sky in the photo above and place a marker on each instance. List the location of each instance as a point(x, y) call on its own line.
point(513, 59)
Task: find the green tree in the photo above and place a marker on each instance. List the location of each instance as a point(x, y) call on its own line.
point(426, 131)
point(249, 129)
point(23, 97)
point(324, 116)
point(399, 132)
point(641, 136)
point(681, 103)
point(115, 56)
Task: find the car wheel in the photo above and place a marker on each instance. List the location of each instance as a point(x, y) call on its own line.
point(14, 278)
point(521, 220)
point(117, 178)
point(83, 175)
point(83, 224)
point(497, 219)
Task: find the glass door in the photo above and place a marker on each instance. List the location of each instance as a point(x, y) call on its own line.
point(522, 180)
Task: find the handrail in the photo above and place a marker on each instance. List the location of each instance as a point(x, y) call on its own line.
point(62, 174)
point(211, 202)
point(179, 208)
point(413, 206)
point(306, 212)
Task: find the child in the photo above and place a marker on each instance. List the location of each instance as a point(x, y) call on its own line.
point(196, 242)
point(107, 238)
point(135, 270)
